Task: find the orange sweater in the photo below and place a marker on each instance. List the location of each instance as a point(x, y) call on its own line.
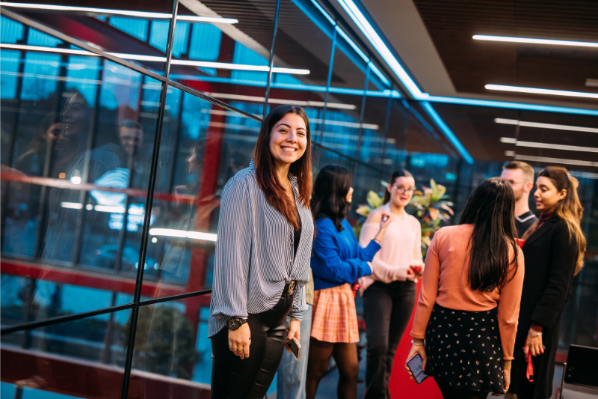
point(446, 282)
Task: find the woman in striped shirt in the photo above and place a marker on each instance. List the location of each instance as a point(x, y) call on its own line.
point(262, 258)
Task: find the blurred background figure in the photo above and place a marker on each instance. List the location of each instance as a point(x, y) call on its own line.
point(521, 177)
point(554, 249)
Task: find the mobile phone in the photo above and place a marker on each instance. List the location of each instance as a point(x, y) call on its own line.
point(385, 218)
point(416, 367)
point(295, 347)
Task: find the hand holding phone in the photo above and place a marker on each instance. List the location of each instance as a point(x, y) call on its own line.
point(415, 365)
point(295, 347)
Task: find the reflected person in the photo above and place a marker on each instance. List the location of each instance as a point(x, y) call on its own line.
point(67, 215)
point(262, 257)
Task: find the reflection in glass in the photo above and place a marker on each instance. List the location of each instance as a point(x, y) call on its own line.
point(77, 135)
point(68, 358)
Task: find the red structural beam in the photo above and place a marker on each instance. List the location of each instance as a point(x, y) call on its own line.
point(86, 379)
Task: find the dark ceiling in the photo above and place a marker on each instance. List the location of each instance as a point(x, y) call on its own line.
point(471, 64)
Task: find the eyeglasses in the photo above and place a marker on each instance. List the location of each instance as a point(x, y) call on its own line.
point(403, 190)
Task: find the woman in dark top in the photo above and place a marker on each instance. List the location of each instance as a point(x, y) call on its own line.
point(554, 249)
point(262, 258)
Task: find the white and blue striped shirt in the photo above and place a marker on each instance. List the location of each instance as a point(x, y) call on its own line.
point(255, 253)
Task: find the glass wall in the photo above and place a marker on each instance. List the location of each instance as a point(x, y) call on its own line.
point(113, 165)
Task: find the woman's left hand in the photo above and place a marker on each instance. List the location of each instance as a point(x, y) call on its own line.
point(417, 350)
point(533, 344)
point(294, 332)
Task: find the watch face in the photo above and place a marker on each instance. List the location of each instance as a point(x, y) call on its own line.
point(233, 324)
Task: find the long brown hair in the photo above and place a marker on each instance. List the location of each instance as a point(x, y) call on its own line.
point(569, 209)
point(265, 168)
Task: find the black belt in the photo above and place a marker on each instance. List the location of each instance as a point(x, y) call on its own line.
point(289, 288)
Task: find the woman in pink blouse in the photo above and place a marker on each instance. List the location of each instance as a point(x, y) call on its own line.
point(389, 293)
point(466, 317)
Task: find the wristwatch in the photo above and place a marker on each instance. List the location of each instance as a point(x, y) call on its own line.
point(235, 322)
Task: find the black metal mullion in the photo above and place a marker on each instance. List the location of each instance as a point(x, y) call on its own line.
point(63, 319)
point(148, 208)
point(271, 62)
point(111, 309)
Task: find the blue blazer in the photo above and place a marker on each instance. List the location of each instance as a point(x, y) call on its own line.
point(337, 257)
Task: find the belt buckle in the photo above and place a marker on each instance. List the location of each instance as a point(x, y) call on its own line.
point(291, 287)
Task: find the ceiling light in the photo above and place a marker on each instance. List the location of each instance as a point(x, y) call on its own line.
point(530, 40)
point(592, 82)
point(195, 235)
point(137, 14)
point(531, 144)
point(152, 58)
point(575, 162)
point(71, 205)
point(257, 99)
point(533, 90)
point(546, 125)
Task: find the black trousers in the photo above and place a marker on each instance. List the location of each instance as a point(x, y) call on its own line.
point(387, 309)
point(233, 378)
point(452, 393)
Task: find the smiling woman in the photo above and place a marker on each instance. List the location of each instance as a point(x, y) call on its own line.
point(262, 258)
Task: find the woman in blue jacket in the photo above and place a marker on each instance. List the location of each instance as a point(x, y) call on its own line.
point(337, 261)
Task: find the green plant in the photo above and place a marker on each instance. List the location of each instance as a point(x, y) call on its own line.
point(430, 207)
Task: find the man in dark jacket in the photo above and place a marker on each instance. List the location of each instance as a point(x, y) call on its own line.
point(521, 177)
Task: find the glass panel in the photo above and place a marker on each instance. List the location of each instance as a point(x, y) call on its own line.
point(81, 359)
point(202, 145)
point(129, 28)
point(228, 60)
point(77, 135)
point(341, 123)
point(350, 64)
point(172, 342)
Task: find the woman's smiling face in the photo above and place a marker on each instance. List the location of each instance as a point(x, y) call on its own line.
point(288, 139)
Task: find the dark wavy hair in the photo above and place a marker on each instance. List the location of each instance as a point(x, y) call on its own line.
point(330, 194)
point(394, 176)
point(491, 210)
point(265, 171)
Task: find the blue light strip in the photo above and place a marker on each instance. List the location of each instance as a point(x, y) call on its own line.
point(510, 105)
point(366, 28)
point(447, 132)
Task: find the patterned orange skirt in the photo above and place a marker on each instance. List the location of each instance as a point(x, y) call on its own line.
point(334, 318)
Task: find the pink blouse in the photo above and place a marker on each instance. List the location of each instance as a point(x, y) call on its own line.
point(401, 248)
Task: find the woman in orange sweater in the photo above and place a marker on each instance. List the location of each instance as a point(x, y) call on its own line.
point(466, 317)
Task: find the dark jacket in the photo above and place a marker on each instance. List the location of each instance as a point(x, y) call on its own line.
point(550, 259)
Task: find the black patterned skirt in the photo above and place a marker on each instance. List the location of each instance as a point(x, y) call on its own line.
point(464, 349)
